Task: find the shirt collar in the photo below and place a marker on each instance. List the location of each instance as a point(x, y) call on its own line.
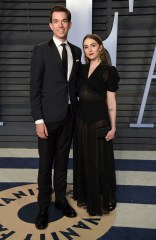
point(58, 42)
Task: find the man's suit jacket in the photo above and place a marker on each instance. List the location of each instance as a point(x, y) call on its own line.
point(49, 89)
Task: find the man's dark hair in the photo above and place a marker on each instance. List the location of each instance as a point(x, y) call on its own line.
point(60, 8)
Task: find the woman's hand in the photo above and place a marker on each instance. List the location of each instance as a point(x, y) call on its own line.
point(110, 135)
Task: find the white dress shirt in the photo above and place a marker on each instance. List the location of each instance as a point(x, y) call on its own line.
point(69, 54)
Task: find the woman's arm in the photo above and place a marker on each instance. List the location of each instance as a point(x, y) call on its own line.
point(111, 102)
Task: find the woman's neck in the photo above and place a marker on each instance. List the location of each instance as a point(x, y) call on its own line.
point(94, 63)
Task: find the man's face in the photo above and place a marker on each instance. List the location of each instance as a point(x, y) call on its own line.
point(60, 25)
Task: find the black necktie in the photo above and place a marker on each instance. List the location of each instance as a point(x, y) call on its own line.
point(64, 58)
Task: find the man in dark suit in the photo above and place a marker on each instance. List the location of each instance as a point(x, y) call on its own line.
point(53, 106)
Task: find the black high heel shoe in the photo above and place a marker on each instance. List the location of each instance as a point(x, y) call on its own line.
point(112, 206)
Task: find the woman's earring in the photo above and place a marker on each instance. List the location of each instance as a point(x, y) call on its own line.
point(101, 55)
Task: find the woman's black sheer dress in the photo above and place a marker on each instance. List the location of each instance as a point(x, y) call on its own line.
point(94, 171)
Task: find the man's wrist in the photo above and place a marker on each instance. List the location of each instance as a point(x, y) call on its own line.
point(39, 121)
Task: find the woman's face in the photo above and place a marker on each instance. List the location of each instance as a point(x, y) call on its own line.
point(92, 49)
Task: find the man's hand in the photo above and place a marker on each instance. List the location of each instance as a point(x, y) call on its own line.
point(41, 130)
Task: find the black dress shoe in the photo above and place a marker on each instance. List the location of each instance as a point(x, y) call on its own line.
point(64, 206)
point(42, 220)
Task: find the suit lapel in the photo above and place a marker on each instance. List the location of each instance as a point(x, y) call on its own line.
point(74, 60)
point(55, 52)
point(58, 58)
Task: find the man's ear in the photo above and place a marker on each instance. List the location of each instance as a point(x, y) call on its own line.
point(70, 24)
point(51, 26)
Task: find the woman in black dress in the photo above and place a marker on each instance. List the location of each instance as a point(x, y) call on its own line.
point(94, 171)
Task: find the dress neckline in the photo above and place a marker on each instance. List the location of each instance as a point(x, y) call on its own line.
point(87, 69)
point(93, 70)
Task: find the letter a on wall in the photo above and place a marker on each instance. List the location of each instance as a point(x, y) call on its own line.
point(143, 104)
